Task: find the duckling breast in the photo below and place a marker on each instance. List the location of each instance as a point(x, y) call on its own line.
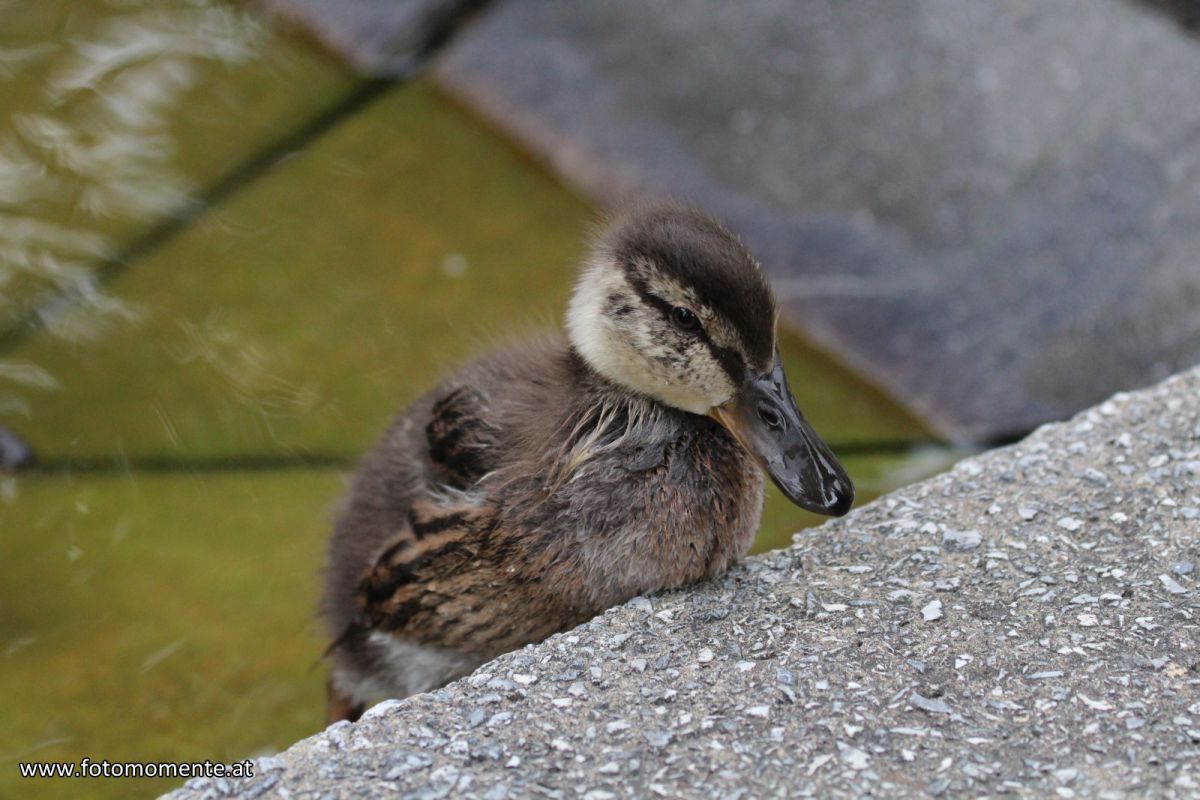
point(675, 503)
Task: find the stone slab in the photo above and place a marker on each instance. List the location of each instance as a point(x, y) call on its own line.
point(1027, 623)
point(991, 209)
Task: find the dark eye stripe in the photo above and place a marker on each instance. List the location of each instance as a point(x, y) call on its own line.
point(729, 359)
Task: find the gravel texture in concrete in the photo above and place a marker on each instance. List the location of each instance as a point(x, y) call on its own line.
point(1027, 623)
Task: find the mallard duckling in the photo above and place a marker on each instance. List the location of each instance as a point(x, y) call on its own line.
point(547, 482)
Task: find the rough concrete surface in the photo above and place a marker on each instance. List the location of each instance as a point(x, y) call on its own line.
point(993, 209)
point(1028, 624)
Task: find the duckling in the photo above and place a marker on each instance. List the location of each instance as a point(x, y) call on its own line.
point(547, 482)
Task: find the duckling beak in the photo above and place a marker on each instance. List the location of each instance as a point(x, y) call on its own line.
point(764, 418)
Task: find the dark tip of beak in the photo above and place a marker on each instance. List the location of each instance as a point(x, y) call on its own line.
point(842, 504)
point(767, 422)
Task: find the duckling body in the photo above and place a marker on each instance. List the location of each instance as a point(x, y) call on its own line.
point(547, 482)
point(472, 541)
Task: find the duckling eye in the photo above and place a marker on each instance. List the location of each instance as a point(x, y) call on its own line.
point(685, 319)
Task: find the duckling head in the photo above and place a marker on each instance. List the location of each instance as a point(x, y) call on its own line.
point(670, 305)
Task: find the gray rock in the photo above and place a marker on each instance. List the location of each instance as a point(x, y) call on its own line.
point(927, 704)
point(933, 611)
point(961, 540)
point(1171, 585)
point(15, 454)
point(1016, 697)
point(991, 208)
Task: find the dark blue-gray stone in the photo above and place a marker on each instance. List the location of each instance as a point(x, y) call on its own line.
point(15, 454)
point(991, 209)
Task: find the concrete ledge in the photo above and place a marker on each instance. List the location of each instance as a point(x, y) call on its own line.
point(1027, 623)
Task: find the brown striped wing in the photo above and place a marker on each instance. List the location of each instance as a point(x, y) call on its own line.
point(426, 585)
point(460, 439)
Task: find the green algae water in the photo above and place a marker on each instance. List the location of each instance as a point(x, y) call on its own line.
point(196, 377)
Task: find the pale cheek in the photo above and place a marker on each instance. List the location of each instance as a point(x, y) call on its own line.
point(696, 369)
point(715, 384)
